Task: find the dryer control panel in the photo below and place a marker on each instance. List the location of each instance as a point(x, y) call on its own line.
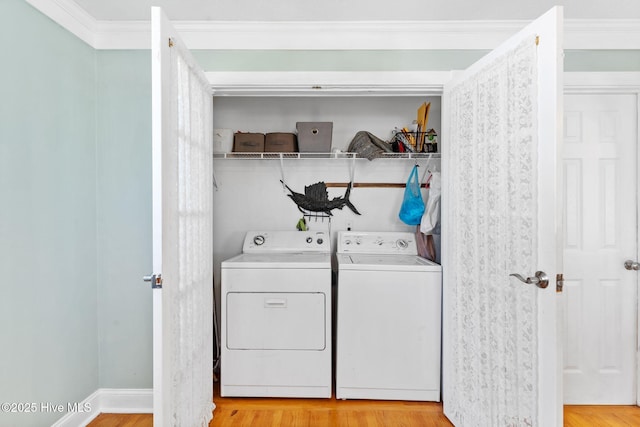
point(382, 242)
point(286, 242)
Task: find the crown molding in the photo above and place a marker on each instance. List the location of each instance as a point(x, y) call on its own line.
point(70, 16)
point(334, 35)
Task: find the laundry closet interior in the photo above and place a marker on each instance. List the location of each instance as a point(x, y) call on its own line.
point(250, 196)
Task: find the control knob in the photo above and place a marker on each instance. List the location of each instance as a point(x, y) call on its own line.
point(258, 240)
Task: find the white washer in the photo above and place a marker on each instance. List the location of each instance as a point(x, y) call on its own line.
point(388, 319)
point(276, 316)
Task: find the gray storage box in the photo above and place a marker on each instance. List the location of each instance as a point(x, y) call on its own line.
point(314, 137)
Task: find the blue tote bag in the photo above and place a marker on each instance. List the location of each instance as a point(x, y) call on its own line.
point(412, 206)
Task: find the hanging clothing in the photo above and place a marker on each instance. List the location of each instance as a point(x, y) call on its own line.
point(430, 222)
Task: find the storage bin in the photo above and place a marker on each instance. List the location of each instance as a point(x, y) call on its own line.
point(248, 142)
point(278, 142)
point(314, 137)
point(222, 140)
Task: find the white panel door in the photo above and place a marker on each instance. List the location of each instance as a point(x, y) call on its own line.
point(600, 233)
point(182, 169)
point(502, 135)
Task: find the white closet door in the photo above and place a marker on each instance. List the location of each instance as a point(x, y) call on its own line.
point(182, 233)
point(503, 130)
point(600, 178)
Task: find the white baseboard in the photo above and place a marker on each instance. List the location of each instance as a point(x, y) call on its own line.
point(109, 400)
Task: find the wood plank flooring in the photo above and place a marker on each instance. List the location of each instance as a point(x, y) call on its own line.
point(605, 416)
point(325, 412)
point(122, 420)
point(258, 412)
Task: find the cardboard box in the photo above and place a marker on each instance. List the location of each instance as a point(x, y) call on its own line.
point(314, 137)
point(248, 142)
point(277, 142)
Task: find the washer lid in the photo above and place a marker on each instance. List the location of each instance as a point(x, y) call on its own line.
point(275, 260)
point(377, 262)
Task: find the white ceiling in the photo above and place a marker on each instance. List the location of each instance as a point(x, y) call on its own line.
point(356, 10)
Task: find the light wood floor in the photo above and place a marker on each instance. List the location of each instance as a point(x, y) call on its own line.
point(257, 412)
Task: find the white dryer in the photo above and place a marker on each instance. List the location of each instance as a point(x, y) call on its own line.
point(276, 316)
point(388, 319)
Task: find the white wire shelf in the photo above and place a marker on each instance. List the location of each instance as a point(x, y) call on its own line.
point(333, 155)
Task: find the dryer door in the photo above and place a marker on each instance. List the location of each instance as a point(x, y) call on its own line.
point(276, 321)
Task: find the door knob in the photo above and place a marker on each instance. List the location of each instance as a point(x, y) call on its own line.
point(540, 279)
point(155, 279)
point(631, 265)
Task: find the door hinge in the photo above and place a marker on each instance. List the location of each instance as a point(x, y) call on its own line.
point(559, 282)
point(155, 279)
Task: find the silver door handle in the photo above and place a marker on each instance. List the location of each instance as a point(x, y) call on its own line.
point(540, 279)
point(155, 279)
point(631, 265)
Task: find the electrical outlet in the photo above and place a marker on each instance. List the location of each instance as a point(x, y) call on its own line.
point(349, 225)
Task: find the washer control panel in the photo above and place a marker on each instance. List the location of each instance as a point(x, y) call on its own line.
point(383, 242)
point(286, 242)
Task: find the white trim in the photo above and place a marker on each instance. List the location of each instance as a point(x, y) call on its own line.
point(339, 35)
point(126, 401)
point(392, 83)
point(109, 400)
point(82, 418)
point(638, 244)
point(122, 35)
point(602, 82)
point(328, 83)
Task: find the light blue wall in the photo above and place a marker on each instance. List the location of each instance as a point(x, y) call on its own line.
point(75, 228)
point(393, 60)
point(602, 60)
point(124, 218)
point(48, 294)
point(336, 60)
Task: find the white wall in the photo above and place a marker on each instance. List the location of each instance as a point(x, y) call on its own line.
point(376, 114)
point(250, 196)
